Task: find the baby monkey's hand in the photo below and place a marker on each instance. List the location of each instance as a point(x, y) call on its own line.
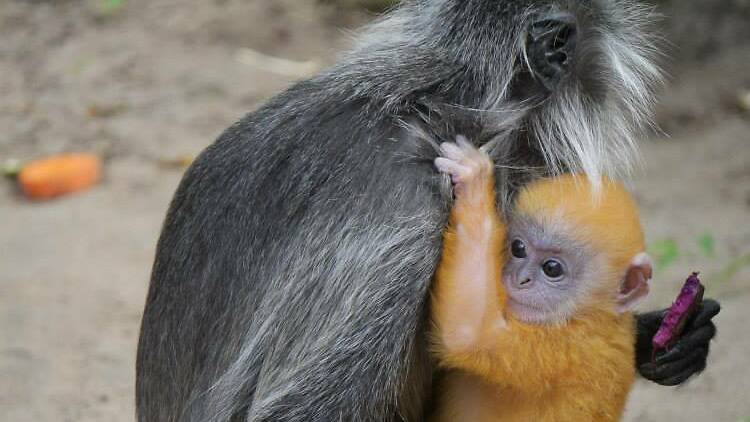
point(470, 170)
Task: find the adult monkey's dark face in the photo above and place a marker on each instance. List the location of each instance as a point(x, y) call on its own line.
point(569, 80)
point(580, 70)
point(591, 62)
point(551, 48)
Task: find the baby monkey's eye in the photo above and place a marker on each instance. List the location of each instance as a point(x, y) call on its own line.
point(553, 269)
point(518, 248)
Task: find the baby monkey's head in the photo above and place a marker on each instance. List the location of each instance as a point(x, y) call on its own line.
point(573, 248)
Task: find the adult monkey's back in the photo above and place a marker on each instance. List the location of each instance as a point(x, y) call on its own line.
point(292, 272)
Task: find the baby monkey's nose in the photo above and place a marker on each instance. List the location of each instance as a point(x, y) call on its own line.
point(525, 282)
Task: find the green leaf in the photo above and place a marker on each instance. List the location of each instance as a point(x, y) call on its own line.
point(665, 253)
point(707, 244)
point(113, 5)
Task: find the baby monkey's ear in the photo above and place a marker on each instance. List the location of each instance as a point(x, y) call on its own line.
point(634, 286)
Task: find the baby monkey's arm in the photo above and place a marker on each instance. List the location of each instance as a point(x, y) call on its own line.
point(467, 302)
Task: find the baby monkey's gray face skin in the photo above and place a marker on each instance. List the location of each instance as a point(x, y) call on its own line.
point(546, 272)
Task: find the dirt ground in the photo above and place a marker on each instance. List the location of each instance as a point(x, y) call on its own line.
point(152, 81)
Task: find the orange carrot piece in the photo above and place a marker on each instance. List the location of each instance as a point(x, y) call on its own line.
point(59, 175)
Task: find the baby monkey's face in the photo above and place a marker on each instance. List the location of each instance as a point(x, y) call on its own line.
point(546, 272)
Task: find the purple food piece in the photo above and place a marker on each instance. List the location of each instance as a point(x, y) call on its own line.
point(679, 313)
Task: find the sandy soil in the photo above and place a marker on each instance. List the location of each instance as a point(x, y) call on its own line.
point(160, 79)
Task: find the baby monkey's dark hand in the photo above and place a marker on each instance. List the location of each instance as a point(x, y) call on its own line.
point(686, 357)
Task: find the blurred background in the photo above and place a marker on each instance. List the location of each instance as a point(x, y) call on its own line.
point(146, 85)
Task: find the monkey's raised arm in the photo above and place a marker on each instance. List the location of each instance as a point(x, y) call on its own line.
point(467, 303)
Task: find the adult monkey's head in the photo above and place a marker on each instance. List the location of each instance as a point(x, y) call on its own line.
point(567, 81)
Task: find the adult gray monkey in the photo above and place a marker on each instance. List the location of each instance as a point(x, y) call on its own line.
point(292, 272)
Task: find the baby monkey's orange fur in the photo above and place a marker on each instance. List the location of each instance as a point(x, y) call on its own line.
point(500, 369)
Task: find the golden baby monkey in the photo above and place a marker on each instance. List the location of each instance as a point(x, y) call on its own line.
point(544, 332)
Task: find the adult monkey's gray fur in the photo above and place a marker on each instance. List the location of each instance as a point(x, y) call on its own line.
point(292, 273)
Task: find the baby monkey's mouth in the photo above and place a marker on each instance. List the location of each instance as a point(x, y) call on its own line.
point(525, 311)
point(515, 301)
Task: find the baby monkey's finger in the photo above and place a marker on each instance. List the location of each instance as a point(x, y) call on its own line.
point(692, 359)
point(452, 151)
point(709, 309)
point(450, 167)
point(468, 148)
point(699, 338)
point(464, 143)
point(683, 376)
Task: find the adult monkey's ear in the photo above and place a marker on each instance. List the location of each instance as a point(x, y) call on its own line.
point(634, 286)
